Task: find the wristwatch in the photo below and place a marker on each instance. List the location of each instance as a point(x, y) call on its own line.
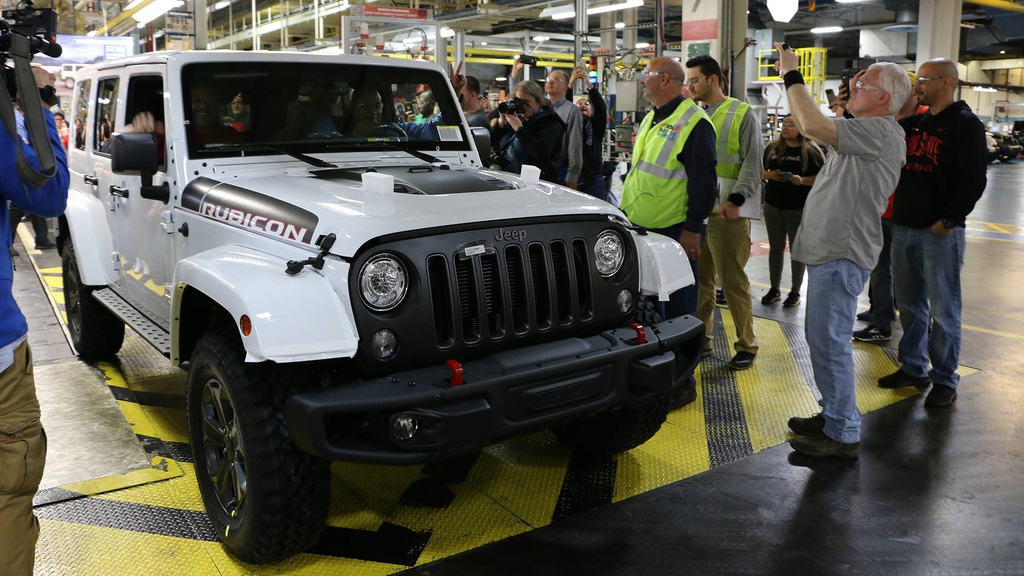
point(948, 222)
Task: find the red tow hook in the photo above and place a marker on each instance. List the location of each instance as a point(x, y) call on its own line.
point(641, 332)
point(456, 368)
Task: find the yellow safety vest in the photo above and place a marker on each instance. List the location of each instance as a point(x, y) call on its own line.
point(654, 193)
point(727, 119)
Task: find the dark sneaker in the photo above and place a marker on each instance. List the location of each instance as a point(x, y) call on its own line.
point(720, 297)
point(792, 301)
point(940, 397)
point(808, 426)
point(771, 297)
point(742, 360)
point(821, 446)
point(872, 334)
point(45, 243)
point(683, 396)
point(899, 379)
point(864, 316)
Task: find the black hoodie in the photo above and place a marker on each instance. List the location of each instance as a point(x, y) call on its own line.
point(945, 172)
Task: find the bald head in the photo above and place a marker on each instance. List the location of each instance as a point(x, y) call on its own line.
point(670, 67)
point(942, 67)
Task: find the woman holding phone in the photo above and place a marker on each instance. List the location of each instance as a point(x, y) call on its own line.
point(791, 163)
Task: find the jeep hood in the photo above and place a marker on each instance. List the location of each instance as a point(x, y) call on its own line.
point(302, 205)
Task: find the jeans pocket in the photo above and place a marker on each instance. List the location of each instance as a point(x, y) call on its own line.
point(22, 456)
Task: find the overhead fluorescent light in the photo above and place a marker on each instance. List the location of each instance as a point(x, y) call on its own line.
point(782, 10)
point(620, 25)
point(541, 38)
point(155, 9)
point(500, 78)
point(826, 30)
point(642, 45)
point(133, 4)
point(983, 89)
point(569, 11)
point(447, 32)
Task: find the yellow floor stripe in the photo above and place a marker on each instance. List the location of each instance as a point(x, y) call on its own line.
point(997, 228)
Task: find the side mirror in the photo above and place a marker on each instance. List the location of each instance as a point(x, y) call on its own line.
point(133, 152)
point(138, 152)
point(482, 139)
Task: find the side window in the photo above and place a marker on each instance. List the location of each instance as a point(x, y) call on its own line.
point(81, 114)
point(145, 108)
point(106, 105)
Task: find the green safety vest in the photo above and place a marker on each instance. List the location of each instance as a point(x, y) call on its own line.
point(727, 119)
point(654, 193)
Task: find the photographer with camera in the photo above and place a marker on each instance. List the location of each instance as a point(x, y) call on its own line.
point(22, 440)
point(537, 132)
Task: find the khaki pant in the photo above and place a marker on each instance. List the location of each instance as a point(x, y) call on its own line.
point(725, 252)
point(22, 456)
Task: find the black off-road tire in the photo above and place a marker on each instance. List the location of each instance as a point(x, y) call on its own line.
point(283, 506)
point(616, 431)
point(95, 332)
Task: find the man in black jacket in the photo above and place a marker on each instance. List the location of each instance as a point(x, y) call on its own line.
point(942, 180)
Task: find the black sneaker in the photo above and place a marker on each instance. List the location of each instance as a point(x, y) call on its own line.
point(808, 426)
point(899, 379)
point(720, 297)
point(742, 360)
point(940, 397)
point(872, 334)
point(864, 316)
point(773, 296)
point(792, 301)
point(821, 446)
point(45, 243)
point(683, 396)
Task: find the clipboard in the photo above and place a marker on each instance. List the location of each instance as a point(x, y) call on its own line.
point(751, 208)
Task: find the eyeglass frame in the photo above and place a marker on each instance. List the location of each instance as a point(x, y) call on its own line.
point(696, 80)
point(922, 80)
point(645, 74)
point(861, 85)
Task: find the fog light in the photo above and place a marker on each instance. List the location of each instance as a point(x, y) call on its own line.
point(625, 301)
point(404, 426)
point(384, 344)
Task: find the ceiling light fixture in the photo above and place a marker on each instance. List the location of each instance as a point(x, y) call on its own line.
point(782, 10)
point(983, 89)
point(541, 38)
point(620, 25)
point(826, 30)
point(568, 11)
point(447, 32)
point(154, 10)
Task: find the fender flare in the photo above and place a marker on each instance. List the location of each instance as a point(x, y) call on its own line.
point(86, 217)
point(664, 267)
point(296, 318)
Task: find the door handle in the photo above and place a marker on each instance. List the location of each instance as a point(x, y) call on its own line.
point(118, 191)
point(90, 179)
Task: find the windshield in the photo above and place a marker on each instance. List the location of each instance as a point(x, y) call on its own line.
point(317, 107)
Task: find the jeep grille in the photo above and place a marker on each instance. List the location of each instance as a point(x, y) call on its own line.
point(510, 292)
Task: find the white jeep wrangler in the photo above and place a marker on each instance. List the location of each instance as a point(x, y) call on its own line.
point(342, 283)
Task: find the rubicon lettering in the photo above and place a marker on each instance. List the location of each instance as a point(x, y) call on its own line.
point(249, 209)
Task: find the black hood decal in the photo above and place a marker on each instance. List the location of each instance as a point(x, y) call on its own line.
point(248, 209)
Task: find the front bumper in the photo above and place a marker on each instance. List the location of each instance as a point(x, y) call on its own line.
point(503, 394)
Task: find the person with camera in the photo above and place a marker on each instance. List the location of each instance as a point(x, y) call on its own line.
point(22, 440)
point(840, 236)
point(595, 115)
point(672, 185)
point(556, 87)
point(791, 164)
point(537, 132)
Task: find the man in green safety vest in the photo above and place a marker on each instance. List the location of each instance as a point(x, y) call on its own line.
point(672, 185)
point(727, 244)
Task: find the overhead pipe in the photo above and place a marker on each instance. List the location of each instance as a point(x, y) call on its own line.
point(1001, 4)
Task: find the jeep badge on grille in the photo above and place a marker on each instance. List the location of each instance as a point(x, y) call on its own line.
point(517, 235)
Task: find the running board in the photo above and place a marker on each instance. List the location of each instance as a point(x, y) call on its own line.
point(150, 331)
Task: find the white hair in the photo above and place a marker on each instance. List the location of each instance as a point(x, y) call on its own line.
point(893, 79)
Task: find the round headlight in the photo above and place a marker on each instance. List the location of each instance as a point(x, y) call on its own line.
point(383, 282)
point(609, 253)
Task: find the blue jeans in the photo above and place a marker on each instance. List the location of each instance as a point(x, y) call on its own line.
point(927, 271)
point(883, 305)
point(832, 290)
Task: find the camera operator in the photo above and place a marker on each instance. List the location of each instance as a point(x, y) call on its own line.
point(537, 132)
point(22, 441)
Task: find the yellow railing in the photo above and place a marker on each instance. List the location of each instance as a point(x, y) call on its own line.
point(811, 66)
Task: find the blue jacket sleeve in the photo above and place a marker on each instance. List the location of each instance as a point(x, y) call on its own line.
point(47, 200)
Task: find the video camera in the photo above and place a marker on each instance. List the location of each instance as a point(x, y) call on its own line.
point(527, 59)
point(39, 26)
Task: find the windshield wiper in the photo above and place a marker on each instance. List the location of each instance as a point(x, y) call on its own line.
point(387, 145)
point(279, 149)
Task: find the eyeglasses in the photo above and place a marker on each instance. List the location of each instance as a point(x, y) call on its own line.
point(695, 80)
point(647, 74)
point(550, 79)
point(926, 79)
point(862, 85)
